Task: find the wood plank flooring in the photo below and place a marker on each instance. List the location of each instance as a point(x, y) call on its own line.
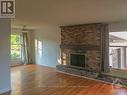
point(40, 80)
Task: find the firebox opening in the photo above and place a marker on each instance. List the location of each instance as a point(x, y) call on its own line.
point(77, 60)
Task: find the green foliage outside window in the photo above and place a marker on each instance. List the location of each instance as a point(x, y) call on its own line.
point(15, 47)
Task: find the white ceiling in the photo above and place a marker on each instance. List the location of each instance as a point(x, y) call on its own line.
point(68, 12)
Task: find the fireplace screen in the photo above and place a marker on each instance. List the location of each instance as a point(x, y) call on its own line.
point(77, 60)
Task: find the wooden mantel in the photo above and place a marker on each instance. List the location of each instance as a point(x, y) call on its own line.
point(80, 47)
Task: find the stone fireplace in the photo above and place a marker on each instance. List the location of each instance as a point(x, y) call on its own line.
point(82, 48)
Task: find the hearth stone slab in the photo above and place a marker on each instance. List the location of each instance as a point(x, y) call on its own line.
point(77, 71)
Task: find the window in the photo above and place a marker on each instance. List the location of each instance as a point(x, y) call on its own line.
point(15, 47)
point(118, 49)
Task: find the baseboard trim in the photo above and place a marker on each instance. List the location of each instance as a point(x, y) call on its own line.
point(5, 90)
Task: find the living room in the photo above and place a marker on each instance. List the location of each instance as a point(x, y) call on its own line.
point(64, 47)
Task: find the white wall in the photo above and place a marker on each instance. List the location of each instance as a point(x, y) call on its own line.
point(4, 55)
point(118, 26)
point(47, 46)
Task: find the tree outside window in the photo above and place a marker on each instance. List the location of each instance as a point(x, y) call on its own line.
point(15, 47)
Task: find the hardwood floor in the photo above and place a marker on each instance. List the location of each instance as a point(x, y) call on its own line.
point(39, 80)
